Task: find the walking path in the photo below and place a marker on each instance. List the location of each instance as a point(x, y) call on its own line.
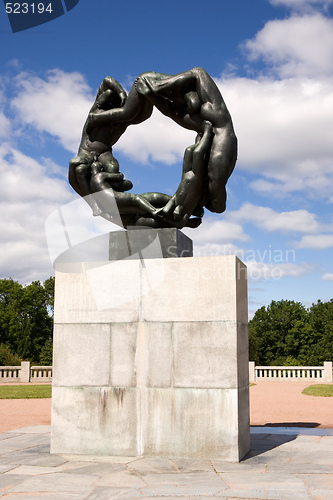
point(283, 463)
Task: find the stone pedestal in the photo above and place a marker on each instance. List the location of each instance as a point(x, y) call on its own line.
point(151, 358)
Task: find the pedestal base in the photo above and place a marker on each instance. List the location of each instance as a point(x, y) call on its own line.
point(151, 358)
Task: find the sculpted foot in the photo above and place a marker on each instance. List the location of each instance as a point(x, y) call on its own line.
point(142, 86)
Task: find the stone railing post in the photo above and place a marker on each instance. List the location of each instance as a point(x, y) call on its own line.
point(25, 371)
point(327, 375)
point(252, 371)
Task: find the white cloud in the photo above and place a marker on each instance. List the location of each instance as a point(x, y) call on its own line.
point(221, 232)
point(327, 277)
point(285, 132)
point(258, 271)
point(268, 219)
point(158, 139)
point(58, 105)
point(29, 193)
point(299, 45)
point(291, 145)
point(316, 242)
point(5, 126)
point(302, 5)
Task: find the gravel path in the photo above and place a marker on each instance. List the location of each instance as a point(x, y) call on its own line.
point(274, 403)
point(282, 403)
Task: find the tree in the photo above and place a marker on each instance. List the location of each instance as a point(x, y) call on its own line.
point(26, 317)
point(321, 320)
point(281, 332)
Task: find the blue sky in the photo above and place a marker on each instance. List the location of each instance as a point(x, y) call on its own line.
point(273, 62)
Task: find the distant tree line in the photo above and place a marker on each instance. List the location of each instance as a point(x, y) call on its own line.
point(26, 322)
point(286, 333)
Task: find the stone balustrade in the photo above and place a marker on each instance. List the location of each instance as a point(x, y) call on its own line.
point(319, 374)
point(25, 373)
point(315, 374)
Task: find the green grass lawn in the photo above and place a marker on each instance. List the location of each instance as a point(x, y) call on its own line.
point(319, 390)
point(25, 391)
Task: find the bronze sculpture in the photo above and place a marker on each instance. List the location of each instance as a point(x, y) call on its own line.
point(192, 100)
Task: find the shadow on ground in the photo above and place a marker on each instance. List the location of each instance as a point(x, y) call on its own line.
point(290, 424)
point(261, 443)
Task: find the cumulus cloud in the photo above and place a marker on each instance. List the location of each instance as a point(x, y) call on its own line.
point(285, 133)
point(316, 242)
point(268, 219)
point(58, 104)
point(282, 124)
point(5, 126)
point(327, 277)
point(303, 5)
point(284, 127)
point(29, 192)
point(158, 139)
point(297, 46)
point(258, 271)
point(219, 231)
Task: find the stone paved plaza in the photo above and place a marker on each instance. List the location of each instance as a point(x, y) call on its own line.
point(283, 463)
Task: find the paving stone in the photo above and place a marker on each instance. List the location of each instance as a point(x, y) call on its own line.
point(98, 469)
point(320, 457)
point(57, 482)
point(28, 439)
point(180, 491)
point(31, 470)
point(266, 458)
point(6, 481)
point(8, 435)
point(6, 468)
point(103, 493)
point(299, 468)
point(145, 465)
point(320, 485)
point(27, 457)
point(196, 479)
point(48, 496)
point(221, 466)
point(191, 465)
point(23, 442)
point(122, 479)
point(273, 485)
point(280, 468)
point(36, 429)
point(99, 458)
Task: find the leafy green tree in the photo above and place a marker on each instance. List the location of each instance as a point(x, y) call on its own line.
point(46, 353)
point(7, 358)
point(280, 332)
point(321, 320)
point(26, 317)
